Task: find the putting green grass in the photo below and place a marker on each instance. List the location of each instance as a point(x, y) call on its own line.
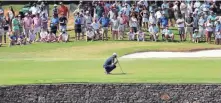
point(82, 62)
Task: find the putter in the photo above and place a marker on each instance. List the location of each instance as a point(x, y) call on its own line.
point(120, 67)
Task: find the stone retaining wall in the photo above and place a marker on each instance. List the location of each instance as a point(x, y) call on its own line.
point(111, 93)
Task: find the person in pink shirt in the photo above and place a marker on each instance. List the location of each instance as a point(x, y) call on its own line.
point(27, 25)
point(37, 25)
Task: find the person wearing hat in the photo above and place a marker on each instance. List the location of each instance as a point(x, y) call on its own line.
point(105, 22)
point(63, 9)
point(27, 24)
point(55, 10)
point(63, 36)
point(90, 34)
point(77, 27)
point(153, 29)
point(196, 36)
point(54, 24)
point(168, 33)
point(110, 63)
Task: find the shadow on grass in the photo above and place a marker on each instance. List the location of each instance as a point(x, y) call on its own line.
point(119, 73)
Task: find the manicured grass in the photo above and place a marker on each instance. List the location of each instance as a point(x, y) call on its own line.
point(82, 62)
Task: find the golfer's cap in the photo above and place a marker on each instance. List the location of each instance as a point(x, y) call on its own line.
point(55, 4)
point(114, 54)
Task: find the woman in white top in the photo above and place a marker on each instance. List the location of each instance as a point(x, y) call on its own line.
point(209, 30)
point(115, 25)
point(133, 23)
point(144, 15)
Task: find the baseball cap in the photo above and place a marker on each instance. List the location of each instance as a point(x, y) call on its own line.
point(114, 54)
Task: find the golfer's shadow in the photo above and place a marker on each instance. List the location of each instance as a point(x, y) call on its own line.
point(118, 73)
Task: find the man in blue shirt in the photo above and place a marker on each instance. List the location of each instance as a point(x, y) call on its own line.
point(164, 20)
point(54, 24)
point(104, 21)
point(110, 63)
point(77, 26)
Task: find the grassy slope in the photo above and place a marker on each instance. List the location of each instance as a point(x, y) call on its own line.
point(82, 62)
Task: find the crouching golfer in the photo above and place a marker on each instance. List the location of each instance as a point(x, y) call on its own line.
point(110, 63)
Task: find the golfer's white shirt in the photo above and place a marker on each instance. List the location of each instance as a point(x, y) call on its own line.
point(180, 20)
point(95, 25)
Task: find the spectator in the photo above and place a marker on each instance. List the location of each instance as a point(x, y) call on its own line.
point(164, 21)
point(158, 15)
point(144, 14)
point(12, 39)
point(131, 34)
point(44, 22)
point(176, 10)
point(63, 10)
point(122, 22)
point(6, 28)
point(189, 26)
point(104, 21)
point(11, 15)
point(54, 24)
point(140, 35)
point(15, 26)
point(88, 19)
point(152, 18)
point(83, 25)
point(201, 23)
point(63, 22)
point(115, 25)
point(168, 34)
point(218, 33)
point(34, 9)
point(44, 35)
point(90, 34)
point(96, 29)
point(1, 12)
point(196, 36)
point(209, 30)
point(181, 30)
point(183, 9)
point(133, 23)
point(20, 19)
point(63, 36)
point(77, 27)
point(153, 32)
point(99, 11)
point(37, 25)
point(1, 31)
point(51, 37)
point(27, 25)
point(55, 10)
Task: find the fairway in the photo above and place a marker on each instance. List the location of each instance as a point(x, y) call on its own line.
point(82, 62)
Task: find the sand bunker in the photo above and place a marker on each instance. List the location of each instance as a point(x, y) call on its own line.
point(197, 54)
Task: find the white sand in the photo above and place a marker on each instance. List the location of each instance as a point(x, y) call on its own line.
point(198, 54)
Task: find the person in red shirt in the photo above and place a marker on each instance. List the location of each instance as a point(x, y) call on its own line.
point(63, 9)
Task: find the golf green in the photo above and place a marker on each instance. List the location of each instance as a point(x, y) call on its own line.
point(82, 62)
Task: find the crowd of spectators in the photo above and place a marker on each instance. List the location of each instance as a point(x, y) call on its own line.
point(135, 20)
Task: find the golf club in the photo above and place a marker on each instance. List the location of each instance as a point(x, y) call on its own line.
point(120, 66)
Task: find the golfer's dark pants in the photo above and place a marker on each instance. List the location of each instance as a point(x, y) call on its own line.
point(109, 68)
